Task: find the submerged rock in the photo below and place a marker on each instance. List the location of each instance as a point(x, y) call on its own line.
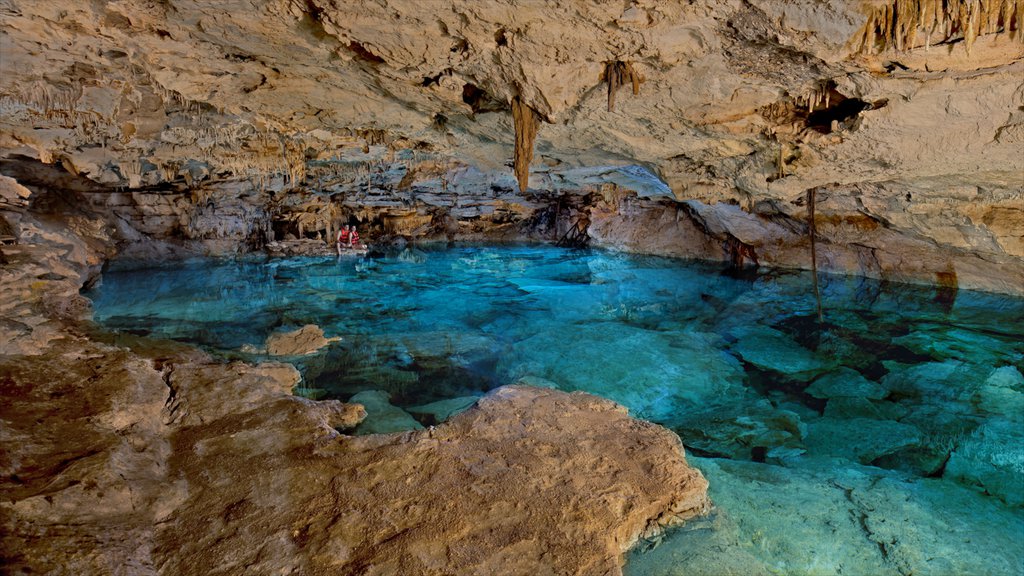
point(770, 349)
point(992, 459)
point(1002, 393)
point(305, 340)
point(190, 466)
point(382, 417)
point(860, 439)
point(743, 427)
point(658, 378)
point(444, 409)
point(858, 520)
point(844, 382)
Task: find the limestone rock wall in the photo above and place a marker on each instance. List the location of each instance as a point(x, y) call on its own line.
point(743, 103)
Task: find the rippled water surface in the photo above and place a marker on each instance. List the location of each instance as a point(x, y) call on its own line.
point(887, 439)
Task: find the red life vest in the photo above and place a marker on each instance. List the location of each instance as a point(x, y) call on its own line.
point(343, 235)
point(355, 237)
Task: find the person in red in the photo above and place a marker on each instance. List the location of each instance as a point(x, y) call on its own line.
point(343, 239)
point(353, 237)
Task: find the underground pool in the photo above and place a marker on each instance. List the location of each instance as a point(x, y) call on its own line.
point(885, 438)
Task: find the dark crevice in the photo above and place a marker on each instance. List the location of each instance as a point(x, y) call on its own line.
point(461, 46)
point(842, 110)
point(363, 54)
point(435, 79)
point(480, 101)
point(239, 57)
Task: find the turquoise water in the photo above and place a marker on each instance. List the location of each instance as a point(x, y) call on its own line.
point(887, 439)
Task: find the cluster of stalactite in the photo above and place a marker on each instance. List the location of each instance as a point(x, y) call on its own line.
point(901, 24)
point(132, 171)
point(246, 152)
point(373, 136)
point(45, 100)
point(206, 135)
point(243, 150)
point(618, 73)
point(814, 97)
point(327, 172)
point(526, 121)
point(141, 77)
point(316, 214)
point(59, 106)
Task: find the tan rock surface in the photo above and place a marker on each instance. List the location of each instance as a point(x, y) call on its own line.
point(401, 111)
point(529, 482)
point(305, 340)
point(146, 457)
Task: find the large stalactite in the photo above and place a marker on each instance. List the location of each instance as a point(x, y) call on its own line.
point(526, 121)
point(617, 74)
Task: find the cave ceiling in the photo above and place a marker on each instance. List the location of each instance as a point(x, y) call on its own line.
point(722, 100)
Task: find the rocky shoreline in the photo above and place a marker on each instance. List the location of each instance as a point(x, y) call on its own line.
point(126, 455)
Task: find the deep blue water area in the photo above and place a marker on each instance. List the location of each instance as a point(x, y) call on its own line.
point(887, 438)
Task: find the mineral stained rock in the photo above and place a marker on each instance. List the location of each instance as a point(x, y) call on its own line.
point(129, 455)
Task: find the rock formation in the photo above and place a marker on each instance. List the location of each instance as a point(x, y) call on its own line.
point(130, 455)
point(305, 340)
point(222, 131)
point(161, 129)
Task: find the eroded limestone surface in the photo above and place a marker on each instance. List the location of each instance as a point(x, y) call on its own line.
point(126, 455)
point(224, 126)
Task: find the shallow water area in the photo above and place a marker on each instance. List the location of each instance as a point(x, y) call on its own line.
point(886, 439)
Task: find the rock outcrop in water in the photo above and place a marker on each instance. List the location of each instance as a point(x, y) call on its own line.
point(305, 340)
point(124, 454)
point(222, 131)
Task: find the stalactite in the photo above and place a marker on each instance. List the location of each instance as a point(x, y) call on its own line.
point(618, 73)
point(373, 137)
point(132, 171)
point(780, 164)
point(54, 104)
point(817, 95)
point(811, 197)
point(897, 23)
point(526, 121)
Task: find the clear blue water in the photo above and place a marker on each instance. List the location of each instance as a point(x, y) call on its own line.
point(888, 439)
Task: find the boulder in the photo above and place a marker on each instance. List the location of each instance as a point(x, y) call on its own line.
point(844, 382)
point(305, 340)
point(770, 349)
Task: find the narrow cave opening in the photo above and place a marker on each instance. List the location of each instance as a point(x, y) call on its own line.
point(840, 110)
point(363, 54)
point(480, 100)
